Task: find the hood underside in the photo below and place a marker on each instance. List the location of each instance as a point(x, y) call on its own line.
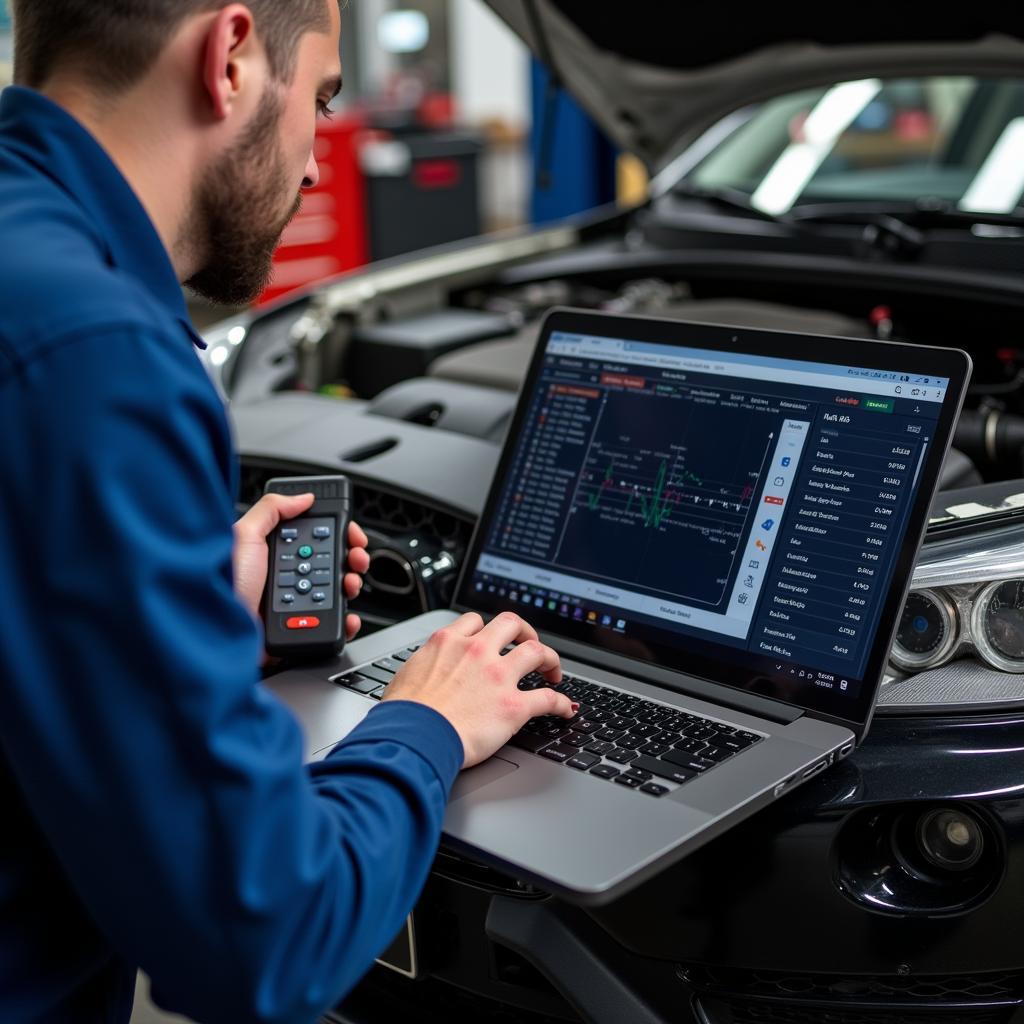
point(655, 74)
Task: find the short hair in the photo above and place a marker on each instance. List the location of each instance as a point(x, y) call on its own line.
point(113, 43)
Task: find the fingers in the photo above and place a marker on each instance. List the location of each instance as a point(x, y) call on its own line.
point(358, 557)
point(358, 560)
point(352, 626)
point(356, 536)
point(533, 656)
point(353, 585)
point(508, 628)
point(466, 625)
point(271, 509)
point(548, 702)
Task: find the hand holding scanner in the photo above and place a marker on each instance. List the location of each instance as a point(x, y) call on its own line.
point(304, 604)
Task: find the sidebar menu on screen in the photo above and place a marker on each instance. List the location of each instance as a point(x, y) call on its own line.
point(841, 534)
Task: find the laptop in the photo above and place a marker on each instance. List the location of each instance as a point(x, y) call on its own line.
point(715, 528)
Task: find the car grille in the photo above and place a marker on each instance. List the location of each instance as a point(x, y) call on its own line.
point(393, 514)
point(990, 987)
point(373, 508)
point(729, 996)
point(752, 1012)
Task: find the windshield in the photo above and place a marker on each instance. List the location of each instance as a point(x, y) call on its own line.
point(955, 139)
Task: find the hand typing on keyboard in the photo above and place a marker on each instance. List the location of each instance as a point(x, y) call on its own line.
point(462, 673)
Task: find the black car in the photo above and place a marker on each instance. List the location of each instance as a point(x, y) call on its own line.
point(840, 176)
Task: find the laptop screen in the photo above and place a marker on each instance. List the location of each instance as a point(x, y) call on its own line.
point(672, 502)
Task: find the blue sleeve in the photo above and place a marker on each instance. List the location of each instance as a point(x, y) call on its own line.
point(167, 780)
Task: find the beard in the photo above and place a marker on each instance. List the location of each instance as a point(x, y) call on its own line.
point(236, 219)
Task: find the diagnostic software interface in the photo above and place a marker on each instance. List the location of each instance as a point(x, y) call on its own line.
point(755, 502)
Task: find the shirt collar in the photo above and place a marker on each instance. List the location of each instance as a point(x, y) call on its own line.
point(62, 149)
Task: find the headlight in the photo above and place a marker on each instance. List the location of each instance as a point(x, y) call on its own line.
point(960, 640)
point(966, 599)
point(985, 620)
point(940, 624)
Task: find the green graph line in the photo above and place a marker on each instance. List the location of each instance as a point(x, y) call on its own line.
point(595, 497)
point(656, 511)
point(653, 514)
point(689, 477)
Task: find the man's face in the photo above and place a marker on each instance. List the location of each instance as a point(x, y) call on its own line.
point(243, 204)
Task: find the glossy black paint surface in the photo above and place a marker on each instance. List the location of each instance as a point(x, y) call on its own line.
point(766, 895)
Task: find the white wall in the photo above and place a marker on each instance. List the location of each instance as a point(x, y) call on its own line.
point(375, 64)
point(490, 66)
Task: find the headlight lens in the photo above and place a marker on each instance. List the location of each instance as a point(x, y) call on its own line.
point(997, 624)
point(942, 623)
point(928, 631)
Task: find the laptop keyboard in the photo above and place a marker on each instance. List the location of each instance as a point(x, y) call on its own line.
point(636, 743)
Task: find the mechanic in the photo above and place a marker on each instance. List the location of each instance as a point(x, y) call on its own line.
point(156, 810)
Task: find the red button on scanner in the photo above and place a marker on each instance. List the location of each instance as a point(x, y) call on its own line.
point(303, 622)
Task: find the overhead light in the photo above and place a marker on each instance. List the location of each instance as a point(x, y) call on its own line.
point(403, 31)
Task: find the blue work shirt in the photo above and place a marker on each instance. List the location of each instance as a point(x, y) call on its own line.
point(155, 809)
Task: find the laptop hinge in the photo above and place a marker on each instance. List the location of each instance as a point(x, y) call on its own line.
point(704, 689)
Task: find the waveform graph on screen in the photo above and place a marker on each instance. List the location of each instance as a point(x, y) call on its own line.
point(665, 492)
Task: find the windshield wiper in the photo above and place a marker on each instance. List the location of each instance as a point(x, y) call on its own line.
point(729, 198)
point(897, 230)
point(918, 213)
point(892, 229)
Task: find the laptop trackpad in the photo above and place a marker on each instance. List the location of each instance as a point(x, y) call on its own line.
point(472, 779)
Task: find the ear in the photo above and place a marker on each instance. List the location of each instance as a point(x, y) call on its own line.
point(230, 43)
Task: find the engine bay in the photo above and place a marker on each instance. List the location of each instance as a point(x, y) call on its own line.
point(480, 334)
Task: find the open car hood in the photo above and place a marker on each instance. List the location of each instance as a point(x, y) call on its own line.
point(655, 74)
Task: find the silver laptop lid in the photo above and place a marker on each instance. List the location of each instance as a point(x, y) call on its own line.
point(740, 505)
